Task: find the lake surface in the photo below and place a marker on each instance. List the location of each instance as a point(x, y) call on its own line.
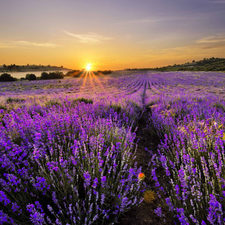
point(19, 75)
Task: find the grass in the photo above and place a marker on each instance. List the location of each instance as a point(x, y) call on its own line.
point(16, 100)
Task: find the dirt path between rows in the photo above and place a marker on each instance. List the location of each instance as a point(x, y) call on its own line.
point(144, 214)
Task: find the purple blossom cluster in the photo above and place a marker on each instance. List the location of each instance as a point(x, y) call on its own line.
point(64, 160)
point(67, 164)
point(192, 156)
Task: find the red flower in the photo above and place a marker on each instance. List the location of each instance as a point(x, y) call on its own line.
point(141, 176)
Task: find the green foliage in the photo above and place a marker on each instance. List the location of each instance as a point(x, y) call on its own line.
point(44, 76)
point(211, 64)
point(105, 150)
point(116, 108)
point(52, 75)
point(6, 77)
point(72, 72)
point(2, 107)
point(31, 77)
point(25, 68)
point(85, 100)
point(51, 103)
point(105, 71)
point(219, 106)
point(190, 154)
point(11, 100)
point(78, 74)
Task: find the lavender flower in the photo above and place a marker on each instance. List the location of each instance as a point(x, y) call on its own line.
point(159, 213)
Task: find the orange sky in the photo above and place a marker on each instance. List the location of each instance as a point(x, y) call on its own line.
point(110, 34)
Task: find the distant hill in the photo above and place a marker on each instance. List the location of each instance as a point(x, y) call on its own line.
point(211, 64)
point(29, 68)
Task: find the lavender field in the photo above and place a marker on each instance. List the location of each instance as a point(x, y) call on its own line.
point(68, 148)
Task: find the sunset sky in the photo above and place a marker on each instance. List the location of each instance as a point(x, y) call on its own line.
point(110, 34)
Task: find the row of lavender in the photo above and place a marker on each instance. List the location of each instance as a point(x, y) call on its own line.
point(113, 86)
point(187, 111)
point(69, 162)
point(46, 136)
point(192, 157)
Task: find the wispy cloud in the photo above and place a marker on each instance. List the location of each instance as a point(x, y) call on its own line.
point(190, 48)
point(15, 44)
point(144, 20)
point(90, 38)
point(206, 43)
point(154, 20)
point(36, 44)
point(212, 39)
point(140, 21)
point(214, 46)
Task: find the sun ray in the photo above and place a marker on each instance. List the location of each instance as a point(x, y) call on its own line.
point(98, 82)
point(92, 83)
point(84, 81)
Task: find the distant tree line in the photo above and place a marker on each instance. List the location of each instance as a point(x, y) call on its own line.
point(52, 75)
point(105, 71)
point(72, 72)
point(14, 67)
point(11, 67)
point(207, 64)
point(44, 76)
point(20, 68)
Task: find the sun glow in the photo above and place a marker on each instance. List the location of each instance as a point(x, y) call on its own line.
point(88, 67)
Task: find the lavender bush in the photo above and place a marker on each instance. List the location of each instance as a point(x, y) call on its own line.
point(67, 164)
point(192, 157)
point(67, 148)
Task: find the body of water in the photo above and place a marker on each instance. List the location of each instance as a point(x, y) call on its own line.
point(19, 75)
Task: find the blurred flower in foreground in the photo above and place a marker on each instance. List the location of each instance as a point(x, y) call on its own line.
point(224, 136)
point(149, 196)
point(141, 176)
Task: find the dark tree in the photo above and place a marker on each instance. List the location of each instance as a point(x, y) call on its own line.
point(52, 75)
point(6, 77)
point(44, 76)
point(31, 77)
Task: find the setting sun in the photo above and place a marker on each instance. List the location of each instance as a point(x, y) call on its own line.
point(88, 67)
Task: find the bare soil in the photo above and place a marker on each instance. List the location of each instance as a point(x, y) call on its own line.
point(144, 214)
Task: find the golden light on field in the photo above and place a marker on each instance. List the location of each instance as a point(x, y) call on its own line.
point(88, 67)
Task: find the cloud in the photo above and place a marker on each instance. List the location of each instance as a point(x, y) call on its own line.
point(140, 21)
point(154, 20)
point(211, 42)
point(212, 39)
point(146, 20)
point(90, 38)
point(214, 46)
point(36, 44)
point(190, 48)
point(14, 44)
point(197, 47)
